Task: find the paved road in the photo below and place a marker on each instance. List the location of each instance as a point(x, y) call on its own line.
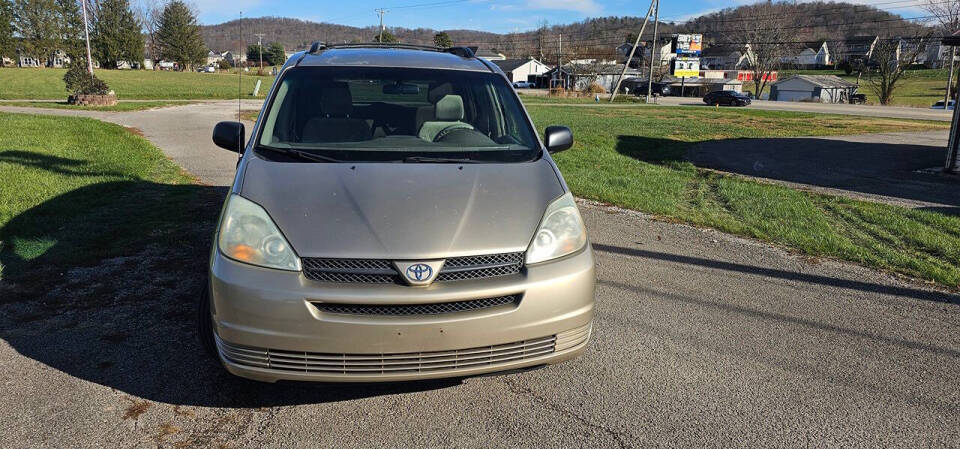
point(701, 339)
point(896, 168)
point(847, 109)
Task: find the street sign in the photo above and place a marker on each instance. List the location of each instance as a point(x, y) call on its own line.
point(687, 44)
point(685, 67)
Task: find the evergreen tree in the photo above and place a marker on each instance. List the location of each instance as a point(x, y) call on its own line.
point(388, 37)
point(7, 46)
point(70, 36)
point(37, 23)
point(277, 55)
point(178, 35)
point(117, 36)
point(442, 40)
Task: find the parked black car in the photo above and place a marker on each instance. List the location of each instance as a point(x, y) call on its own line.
point(727, 98)
point(640, 88)
point(858, 99)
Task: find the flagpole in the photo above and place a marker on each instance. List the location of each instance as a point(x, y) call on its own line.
point(86, 33)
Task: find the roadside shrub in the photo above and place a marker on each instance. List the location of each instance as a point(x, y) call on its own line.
point(846, 67)
point(595, 88)
point(223, 64)
point(81, 82)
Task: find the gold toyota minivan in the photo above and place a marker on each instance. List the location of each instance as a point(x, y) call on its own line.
point(395, 217)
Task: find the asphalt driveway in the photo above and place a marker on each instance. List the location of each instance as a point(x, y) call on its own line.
point(701, 339)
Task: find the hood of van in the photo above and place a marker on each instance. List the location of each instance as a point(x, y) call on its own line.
point(403, 211)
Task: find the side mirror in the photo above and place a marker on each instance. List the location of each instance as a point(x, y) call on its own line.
point(558, 138)
point(229, 136)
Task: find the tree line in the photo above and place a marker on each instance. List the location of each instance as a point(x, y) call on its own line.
point(119, 34)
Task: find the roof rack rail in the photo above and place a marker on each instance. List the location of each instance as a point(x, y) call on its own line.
point(463, 52)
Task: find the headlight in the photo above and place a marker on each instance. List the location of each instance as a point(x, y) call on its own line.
point(247, 234)
point(561, 232)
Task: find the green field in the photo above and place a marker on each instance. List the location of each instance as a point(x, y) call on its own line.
point(918, 88)
point(122, 106)
point(76, 190)
point(634, 158)
point(47, 84)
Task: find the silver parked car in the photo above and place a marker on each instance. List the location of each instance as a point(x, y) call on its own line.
point(395, 217)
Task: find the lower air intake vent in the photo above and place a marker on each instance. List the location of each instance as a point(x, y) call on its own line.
point(385, 364)
point(419, 309)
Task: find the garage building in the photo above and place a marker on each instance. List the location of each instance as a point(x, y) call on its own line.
point(816, 88)
point(522, 69)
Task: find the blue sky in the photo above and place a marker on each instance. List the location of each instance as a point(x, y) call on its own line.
point(498, 16)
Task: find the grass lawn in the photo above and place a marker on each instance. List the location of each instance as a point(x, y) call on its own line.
point(917, 88)
point(47, 84)
point(119, 107)
point(75, 191)
point(634, 158)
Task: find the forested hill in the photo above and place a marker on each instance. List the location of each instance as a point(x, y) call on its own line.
point(590, 38)
point(298, 34)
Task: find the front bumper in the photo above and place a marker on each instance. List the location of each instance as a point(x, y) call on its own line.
point(268, 329)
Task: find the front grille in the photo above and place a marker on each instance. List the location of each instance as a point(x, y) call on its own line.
point(419, 309)
point(386, 364)
point(382, 271)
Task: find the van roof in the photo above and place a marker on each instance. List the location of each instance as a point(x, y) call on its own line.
point(375, 55)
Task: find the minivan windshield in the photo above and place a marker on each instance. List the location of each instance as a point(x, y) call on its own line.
point(328, 114)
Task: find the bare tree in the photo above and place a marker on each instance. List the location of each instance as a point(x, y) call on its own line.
point(947, 14)
point(891, 58)
point(148, 12)
point(763, 32)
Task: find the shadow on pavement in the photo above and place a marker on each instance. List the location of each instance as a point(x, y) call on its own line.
point(111, 298)
point(927, 295)
point(786, 319)
point(879, 167)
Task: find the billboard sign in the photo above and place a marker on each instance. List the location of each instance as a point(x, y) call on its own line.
point(688, 44)
point(685, 67)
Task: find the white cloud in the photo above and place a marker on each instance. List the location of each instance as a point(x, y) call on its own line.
point(581, 6)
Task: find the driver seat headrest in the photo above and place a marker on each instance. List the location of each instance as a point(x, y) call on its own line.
point(450, 108)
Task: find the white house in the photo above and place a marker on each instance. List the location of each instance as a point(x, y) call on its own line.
point(726, 57)
point(815, 88)
point(57, 59)
point(213, 57)
point(518, 70)
point(811, 55)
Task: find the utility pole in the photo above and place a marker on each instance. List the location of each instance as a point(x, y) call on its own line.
point(656, 46)
point(260, 48)
point(381, 12)
point(560, 60)
point(86, 33)
point(946, 97)
point(632, 51)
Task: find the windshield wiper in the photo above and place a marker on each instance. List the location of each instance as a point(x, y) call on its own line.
point(437, 160)
point(305, 155)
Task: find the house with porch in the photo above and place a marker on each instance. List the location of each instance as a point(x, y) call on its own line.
point(522, 70)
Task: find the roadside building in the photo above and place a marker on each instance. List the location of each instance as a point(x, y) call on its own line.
point(518, 70)
point(643, 53)
point(489, 55)
point(56, 59)
point(726, 57)
point(813, 88)
point(811, 55)
point(856, 50)
point(213, 57)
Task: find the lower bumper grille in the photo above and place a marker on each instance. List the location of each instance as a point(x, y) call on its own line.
point(373, 364)
point(418, 309)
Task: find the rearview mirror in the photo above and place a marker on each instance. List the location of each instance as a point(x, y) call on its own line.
point(558, 138)
point(401, 89)
point(229, 135)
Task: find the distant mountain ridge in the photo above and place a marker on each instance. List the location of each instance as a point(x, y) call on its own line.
point(590, 38)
